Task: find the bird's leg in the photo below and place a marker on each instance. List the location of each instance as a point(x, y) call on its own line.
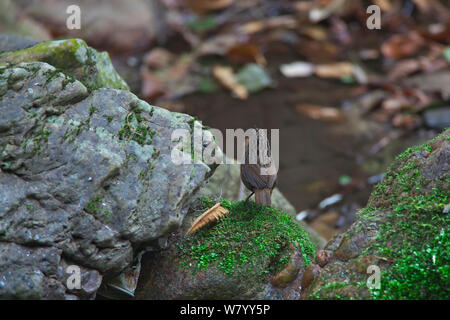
point(246, 200)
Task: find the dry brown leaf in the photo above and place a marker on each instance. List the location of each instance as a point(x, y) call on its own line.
point(385, 5)
point(334, 7)
point(439, 32)
point(218, 45)
point(203, 6)
point(252, 27)
point(396, 103)
point(403, 68)
point(315, 32)
point(158, 58)
point(319, 113)
point(211, 215)
point(246, 52)
point(228, 79)
point(151, 87)
point(318, 51)
point(402, 45)
point(369, 54)
point(334, 70)
point(406, 121)
point(280, 22)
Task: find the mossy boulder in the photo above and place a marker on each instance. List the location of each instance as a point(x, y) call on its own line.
point(252, 253)
point(226, 183)
point(404, 230)
point(75, 58)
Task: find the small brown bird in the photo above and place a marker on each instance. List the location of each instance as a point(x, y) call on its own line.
point(251, 174)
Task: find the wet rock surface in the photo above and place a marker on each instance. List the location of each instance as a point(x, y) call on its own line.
point(86, 175)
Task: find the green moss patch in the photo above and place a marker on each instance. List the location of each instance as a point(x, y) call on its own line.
point(415, 233)
point(75, 58)
point(135, 128)
point(245, 239)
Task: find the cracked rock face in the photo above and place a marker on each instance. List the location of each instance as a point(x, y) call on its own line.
point(86, 176)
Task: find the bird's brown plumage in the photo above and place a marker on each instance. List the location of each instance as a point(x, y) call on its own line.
point(260, 185)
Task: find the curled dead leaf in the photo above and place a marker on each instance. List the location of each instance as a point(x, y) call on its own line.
point(319, 113)
point(402, 45)
point(211, 215)
point(335, 70)
point(227, 78)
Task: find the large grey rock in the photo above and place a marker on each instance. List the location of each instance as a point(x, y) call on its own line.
point(86, 176)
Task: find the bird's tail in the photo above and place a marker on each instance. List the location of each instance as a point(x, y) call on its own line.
point(263, 197)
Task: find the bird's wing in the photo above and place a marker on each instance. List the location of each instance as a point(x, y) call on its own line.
point(252, 174)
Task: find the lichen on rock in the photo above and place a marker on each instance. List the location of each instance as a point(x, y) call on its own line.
point(74, 57)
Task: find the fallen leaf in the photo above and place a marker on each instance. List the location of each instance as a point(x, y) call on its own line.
point(158, 58)
point(385, 5)
point(246, 52)
point(406, 121)
point(395, 103)
point(369, 54)
point(446, 54)
point(151, 87)
point(218, 45)
point(202, 6)
point(173, 80)
point(317, 33)
point(319, 113)
point(228, 79)
point(252, 27)
point(402, 45)
point(297, 69)
point(403, 68)
point(335, 70)
point(339, 7)
point(318, 52)
point(209, 216)
point(439, 32)
point(287, 21)
point(254, 77)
